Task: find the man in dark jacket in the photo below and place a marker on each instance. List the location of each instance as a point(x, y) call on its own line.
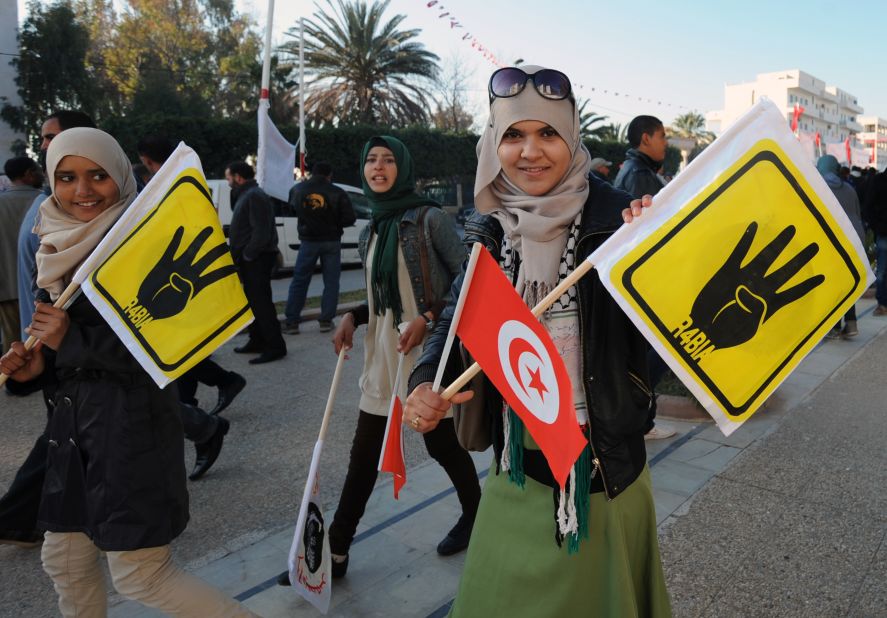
point(875, 214)
point(253, 238)
point(324, 211)
point(27, 179)
point(646, 136)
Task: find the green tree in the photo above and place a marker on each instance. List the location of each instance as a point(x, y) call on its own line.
point(52, 74)
point(613, 132)
point(587, 121)
point(196, 55)
point(362, 68)
point(100, 20)
point(452, 113)
point(692, 125)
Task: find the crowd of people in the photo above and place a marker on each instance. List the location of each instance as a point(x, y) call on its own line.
point(108, 473)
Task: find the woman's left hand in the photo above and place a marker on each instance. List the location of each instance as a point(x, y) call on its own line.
point(49, 325)
point(412, 335)
point(636, 208)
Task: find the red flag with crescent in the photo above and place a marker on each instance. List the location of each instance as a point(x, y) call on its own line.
point(518, 356)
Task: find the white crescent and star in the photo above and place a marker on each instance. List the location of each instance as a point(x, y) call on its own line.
point(528, 369)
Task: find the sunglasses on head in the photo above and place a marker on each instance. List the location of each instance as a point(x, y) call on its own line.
point(511, 81)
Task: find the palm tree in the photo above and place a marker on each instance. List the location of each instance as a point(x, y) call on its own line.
point(614, 132)
point(363, 69)
point(692, 125)
point(587, 120)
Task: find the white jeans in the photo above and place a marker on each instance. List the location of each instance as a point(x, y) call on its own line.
point(145, 575)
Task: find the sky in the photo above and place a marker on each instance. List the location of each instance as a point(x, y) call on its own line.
point(643, 57)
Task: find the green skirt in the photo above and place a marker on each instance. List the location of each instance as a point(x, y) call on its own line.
point(515, 568)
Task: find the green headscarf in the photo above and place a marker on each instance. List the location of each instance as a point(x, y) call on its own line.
point(387, 212)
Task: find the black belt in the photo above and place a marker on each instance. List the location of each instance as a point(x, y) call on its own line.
point(536, 467)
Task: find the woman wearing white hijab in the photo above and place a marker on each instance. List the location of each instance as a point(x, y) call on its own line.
point(536, 550)
point(115, 478)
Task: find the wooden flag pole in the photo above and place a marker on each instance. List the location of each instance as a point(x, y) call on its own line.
point(537, 311)
point(332, 396)
point(60, 303)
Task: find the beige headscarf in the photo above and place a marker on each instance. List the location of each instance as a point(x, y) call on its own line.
point(537, 226)
point(65, 241)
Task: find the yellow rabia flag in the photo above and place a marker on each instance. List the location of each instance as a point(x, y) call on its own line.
point(163, 277)
point(741, 266)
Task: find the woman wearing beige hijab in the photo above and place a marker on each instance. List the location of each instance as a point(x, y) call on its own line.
point(537, 550)
point(115, 479)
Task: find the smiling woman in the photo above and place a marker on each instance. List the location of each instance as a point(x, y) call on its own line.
point(588, 548)
point(115, 476)
point(83, 189)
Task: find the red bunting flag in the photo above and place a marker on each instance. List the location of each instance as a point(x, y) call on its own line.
point(517, 354)
point(796, 115)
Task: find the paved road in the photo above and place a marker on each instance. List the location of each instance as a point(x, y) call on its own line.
point(352, 279)
point(254, 488)
point(789, 524)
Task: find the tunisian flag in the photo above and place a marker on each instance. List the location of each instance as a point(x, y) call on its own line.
point(391, 459)
point(517, 354)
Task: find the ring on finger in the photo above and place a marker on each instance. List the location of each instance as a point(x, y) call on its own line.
point(415, 422)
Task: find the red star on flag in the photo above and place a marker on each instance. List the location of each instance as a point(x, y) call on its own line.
point(536, 382)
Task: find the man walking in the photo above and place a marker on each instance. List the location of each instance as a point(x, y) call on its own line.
point(638, 176)
point(27, 179)
point(253, 238)
point(324, 211)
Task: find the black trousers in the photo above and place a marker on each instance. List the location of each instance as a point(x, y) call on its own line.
point(19, 505)
point(442, 445)
point(206, 371)
point(256, 278)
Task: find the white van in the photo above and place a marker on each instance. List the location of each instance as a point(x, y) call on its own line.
point(287, 233)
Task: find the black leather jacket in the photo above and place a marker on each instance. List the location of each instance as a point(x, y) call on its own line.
point(614, 353)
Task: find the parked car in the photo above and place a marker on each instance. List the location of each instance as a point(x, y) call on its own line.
point(287, 223)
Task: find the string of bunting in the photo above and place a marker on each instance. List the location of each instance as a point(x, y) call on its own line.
point(623, 95)
point(444, 13)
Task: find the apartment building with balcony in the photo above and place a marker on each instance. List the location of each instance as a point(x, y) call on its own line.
point(828, 110)
point(874, 138)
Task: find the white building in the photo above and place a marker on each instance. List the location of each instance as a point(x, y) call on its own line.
point(8, 46)
point(828, 110)
point(874, 137)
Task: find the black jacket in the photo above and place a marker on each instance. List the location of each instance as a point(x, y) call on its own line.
point(614, 354)
point(323, 209)
point(253, 230)
point(874, 210)
point(115, 468)
point(637, 176)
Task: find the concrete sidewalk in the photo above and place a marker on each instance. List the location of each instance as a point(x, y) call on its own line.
point(786, 517)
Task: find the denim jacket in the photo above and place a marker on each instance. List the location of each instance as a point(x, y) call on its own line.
point(445, 256)
point(614, 354)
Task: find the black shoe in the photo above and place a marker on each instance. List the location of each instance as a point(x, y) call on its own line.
point(208, 451)
point(290, 328)
point(228, 391)
point(456, 539)
point(267, 357)
point(339, 568)
point(284, 579)
point(250, 347)
point(326, 325)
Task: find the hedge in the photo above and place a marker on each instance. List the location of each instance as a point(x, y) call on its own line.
point(439, 156)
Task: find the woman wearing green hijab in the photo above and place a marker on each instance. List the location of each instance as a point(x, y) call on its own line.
point(411, 253)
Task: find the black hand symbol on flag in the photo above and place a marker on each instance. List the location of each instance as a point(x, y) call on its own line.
point(738, 299)
point(174, 281)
